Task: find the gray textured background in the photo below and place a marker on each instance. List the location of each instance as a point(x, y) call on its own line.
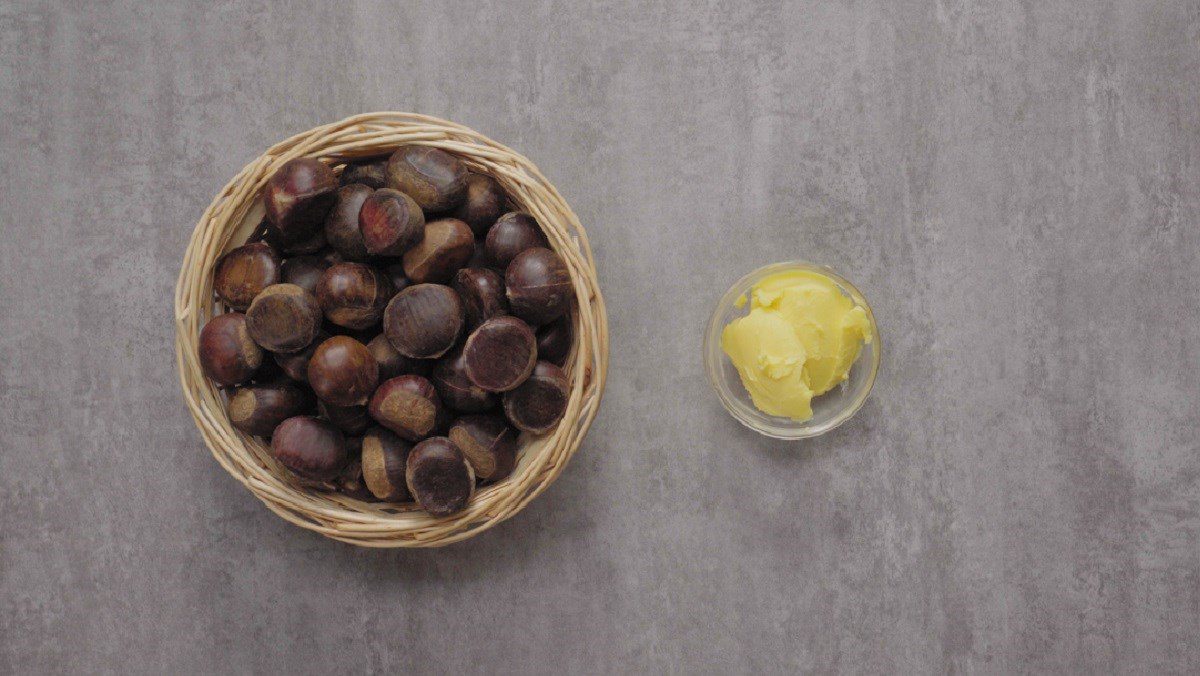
point(1015, 186)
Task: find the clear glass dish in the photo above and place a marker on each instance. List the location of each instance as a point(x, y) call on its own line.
point(830, 409)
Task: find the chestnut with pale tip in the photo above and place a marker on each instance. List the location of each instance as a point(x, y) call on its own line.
point(384, 461)
point(439, 476)
point(554, 341)
point(258, 409)
point(304, 271)
point(482, 293)
point(513, 233)
point(228, 355)
point(310, 447)
point(445, 248)
point(298, 197)
point(538, 286)
point(391, 223)
point(244, 272)
point(341, 226)
point(284, 318)
point(482, 205)
point(353, 295)
point(407, 405)
point(371, 173)
point(539, 403)
point(423, 321)
point(342, 372)
point(434, 178)
point(456, 390)
point(488, 443)
point(351, 420)
point(500, 354)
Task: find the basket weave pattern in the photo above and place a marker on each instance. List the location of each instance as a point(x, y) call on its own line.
point(234, 214)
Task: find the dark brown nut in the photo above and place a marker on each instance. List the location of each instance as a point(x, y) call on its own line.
point(515, 232)
point(304, 271)
point(392, 363)
point(391, 223)
point(309, 245)
point(439, 476)
point(295, 364)
point(349, 419)
point(341, 226)
point(500, 354)
point(310, 447)
point(407, 405)
point(434, 178)
point(384, 460)
point(423, 321)
point(540, 402)
point(538, 286)
point(489, 444)
point(342, 372)
point(445, 248)
point(372, 174)
point(456, 390)
point(554, 341)
point(351, 482)
point(244, 272)
point(483, 204)
point(228, 355)
point(298, 198)
point(258, 409)
point(353, 295)
point(395, 273)
point(284, 318)
point(482, 293)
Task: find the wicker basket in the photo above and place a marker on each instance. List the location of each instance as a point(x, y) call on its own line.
point(235, 213)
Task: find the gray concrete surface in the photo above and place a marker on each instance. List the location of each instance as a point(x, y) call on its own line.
point(1015, 185)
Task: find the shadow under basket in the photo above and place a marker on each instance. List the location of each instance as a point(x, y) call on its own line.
point(234, 215)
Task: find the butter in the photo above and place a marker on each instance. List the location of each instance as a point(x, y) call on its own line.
point(798, 341)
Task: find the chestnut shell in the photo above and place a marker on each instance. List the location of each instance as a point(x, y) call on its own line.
point(384, 461)
point(513, 233)
point(439, 476)
point(391, 223)
point(353, 295)
point(500, 354)
point(424, 320)
point(407, 405)
point(310, 447)
point(342, 372)
point(482, 293)
point(244, 272)
point(445, 248)
point(304, 271)
point(483, 204)
point(341, 226)
point(456, 389)
point(434, 178)
point(284, 318)
point(538, 286)
point(488, 443)
point(228, 355)
point(298, 197)
point(539, 403)
point(258, 409)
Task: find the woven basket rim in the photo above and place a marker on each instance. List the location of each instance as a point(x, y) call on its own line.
point(236, 209)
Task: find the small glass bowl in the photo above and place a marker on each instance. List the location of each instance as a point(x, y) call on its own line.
point(830, 409)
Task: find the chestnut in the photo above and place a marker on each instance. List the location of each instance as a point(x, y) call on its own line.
point(488, 443)
point(391, 223)
point(483, 204)
point(439, 476)
point(384, 460)
point(372, 173)
point(482, 293)
point(298, 198)
point(284, 318)
point(433, 177)
point(258, 409)
point(353, 295)
point(228, 355)
point(456, 390)
point(295, 364)
point(395, 273)
point(423, 321)
point(349, 419)
point(538, 286)
point(304, 271)
point(445, 248)
point(342, 372)
point(350, 481)
point(538, 403)
point(310, 447)
point(554, 340)
point(309, 245)
point(407, 405)
point(244, 272)
point(500, 354)
point(513, 233)
point(392, 363)
point(341, 226)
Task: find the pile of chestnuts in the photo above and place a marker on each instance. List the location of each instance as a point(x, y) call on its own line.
point(393, 328)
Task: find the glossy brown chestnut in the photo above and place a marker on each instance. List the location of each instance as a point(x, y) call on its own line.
point(244, 272)
point(384, 460)
point(298, 198)
point(284, 318)
point(439, 476)
point(407, 405)
point(258, 409)
point(391, 223)
point(424, 320)
point(554, 340)
point(342, 372)
point(228, 355)
point(353, 295)
point(433, 177)
point(392, 363)
point(295, 364)
point(488, 443)
point(304, 271)
point(351, 420)
point(483, 204)
point(540, 402)
point(310, 447)
point(500, 354)
point(447, 246)
point(538, 286)
point(341, 226)
point(513, 233)
point(371, 173)
point(456, 390)
point(482, 293)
